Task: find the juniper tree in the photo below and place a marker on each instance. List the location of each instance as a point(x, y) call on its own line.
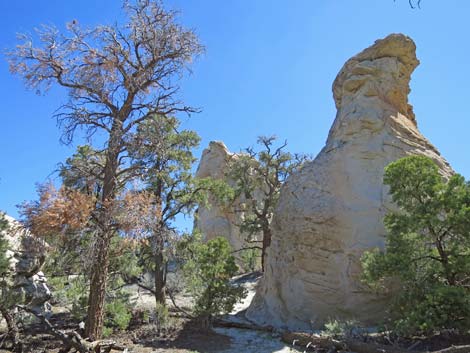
point(116, 77)
point(208, 269)
point(166, 158)
point(427, 248)
point(258, 176)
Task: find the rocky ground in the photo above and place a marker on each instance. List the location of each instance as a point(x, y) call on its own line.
point(221, 340)
point(182, 335)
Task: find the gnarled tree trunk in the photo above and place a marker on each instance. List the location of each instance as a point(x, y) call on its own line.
point(265, 244)
point(99, 269)
point(160, 271)
point(96, 298)
point(159, 244)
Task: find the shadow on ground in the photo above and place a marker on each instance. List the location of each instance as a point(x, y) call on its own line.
point(190, 337)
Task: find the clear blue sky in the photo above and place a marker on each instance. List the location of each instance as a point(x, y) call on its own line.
point(268, 70)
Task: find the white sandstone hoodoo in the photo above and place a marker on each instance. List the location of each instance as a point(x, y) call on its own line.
point(218, 219)
point(331, 211)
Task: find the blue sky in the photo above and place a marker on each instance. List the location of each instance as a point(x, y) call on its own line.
point(268, 70)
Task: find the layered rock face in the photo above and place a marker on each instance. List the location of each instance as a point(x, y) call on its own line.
point(331, 211)
point(26, 259)
point(216, 219)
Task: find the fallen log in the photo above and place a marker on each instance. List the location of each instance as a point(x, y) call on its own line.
point(455, 349)
point(70, 340)
point(308, 340)
point(73, 340)
point(312, 340)
point(106, 346)
point(370, 347)
point(241, 325)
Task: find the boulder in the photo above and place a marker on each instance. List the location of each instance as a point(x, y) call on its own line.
point(332, 210)
point(27, 255)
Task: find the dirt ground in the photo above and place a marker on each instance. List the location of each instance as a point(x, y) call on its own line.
point(188, 340)
point(184, 336)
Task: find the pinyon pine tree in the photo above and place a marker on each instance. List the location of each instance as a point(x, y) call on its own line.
point(165, 157)
point(117, 77)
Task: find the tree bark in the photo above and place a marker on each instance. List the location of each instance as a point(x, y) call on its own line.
point(96, 298)
point(160, 273)
point(99, 270)
point(159, 243)
point(266, 244)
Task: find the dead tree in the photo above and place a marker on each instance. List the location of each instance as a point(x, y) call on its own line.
point(116, 77)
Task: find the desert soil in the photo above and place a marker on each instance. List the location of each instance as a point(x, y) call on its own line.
point(188, 338)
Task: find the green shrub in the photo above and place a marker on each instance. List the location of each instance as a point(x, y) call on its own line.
point(251, 260)
point(340, 329)
point(71, 292)
point(68, 257)
point(117, 314)
point(145, 316)
point(440, 307)
point(208, 271)
point(161, 315)
point(107, 331)
point(427, 249)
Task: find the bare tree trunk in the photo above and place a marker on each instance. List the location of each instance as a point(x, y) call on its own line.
point(266, 244)
point(99, 270)
point(159, 243)
point(160, 272)
point(96, 298)
point(205, 323)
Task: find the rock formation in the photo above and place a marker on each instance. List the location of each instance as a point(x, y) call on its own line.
point(331, 211)
point(217, 219)
point(26, 254)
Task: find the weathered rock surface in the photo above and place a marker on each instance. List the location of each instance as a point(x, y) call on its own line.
point(331, 211)
point(218, 219)
point(27, 255)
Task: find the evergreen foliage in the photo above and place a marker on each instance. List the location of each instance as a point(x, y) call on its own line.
point(259, 175)
point(208, 269)
point(427, 248)
point(4, 261)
